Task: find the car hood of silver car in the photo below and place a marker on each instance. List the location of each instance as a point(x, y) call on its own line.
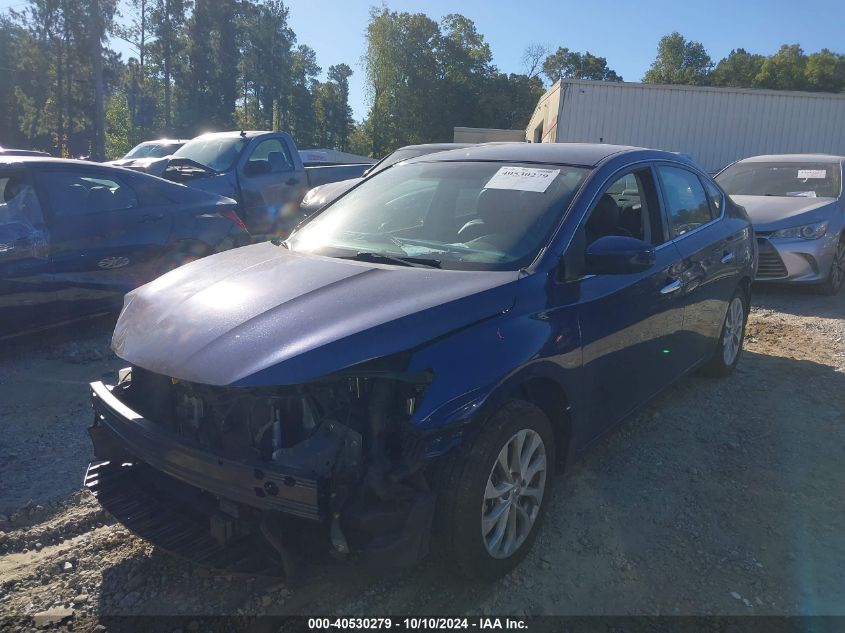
point(770, 213)
point(265, 315)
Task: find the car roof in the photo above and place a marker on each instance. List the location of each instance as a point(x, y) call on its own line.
point(233, 134)
point(792, 158)
point(434, 147)
point(586, 154)
point(46, 160)
point(49, 161)
point(9, 151)
point(165, 141)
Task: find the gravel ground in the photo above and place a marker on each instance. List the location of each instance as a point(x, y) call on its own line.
point(721, 497)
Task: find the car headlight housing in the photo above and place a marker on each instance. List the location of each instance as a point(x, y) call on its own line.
point(805, 232)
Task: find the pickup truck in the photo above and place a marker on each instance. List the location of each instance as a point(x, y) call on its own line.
point(262, 171)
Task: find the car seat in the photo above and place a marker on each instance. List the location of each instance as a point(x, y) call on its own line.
point(604, 220)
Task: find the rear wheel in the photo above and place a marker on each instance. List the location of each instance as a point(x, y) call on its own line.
point(495, 492)
point(729, 346)
point(836, 277)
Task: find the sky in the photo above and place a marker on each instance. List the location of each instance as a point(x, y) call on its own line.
point(624, 32)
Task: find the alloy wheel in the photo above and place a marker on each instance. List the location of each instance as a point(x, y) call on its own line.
point(514, 494)
point(732, 335)
point(837, 270)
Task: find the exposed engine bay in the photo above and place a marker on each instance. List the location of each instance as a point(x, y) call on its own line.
point(272, 461)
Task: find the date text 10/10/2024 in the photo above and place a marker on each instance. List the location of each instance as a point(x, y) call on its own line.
point(431, 624)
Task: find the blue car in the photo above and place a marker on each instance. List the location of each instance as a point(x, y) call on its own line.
point(76, 236)
point(414, 364)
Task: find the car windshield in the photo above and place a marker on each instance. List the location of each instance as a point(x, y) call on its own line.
point(215, 152)
point(465, 215)
point(150, 150)
point(806, 179)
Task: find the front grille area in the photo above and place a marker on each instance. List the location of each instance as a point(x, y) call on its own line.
point(770, 265)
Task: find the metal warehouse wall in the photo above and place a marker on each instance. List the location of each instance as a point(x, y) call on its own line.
point(713, 125)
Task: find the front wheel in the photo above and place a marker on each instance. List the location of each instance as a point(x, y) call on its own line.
point(836, 277)
point(495, 492)
point(729, 346)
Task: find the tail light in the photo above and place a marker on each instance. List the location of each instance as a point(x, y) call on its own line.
point(230, 214)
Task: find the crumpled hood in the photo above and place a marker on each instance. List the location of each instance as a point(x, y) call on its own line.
point(769, 213)
point(265, 315)
point(154, 166)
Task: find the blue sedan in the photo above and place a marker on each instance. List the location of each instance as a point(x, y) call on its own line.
point(419, 358)
point(75, 236)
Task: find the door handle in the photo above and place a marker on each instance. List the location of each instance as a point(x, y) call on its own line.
point(728, 257)
point(291, 181)
point(671, 287)
point(150, 218)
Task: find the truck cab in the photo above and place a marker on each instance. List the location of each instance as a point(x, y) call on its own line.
point(262, 170)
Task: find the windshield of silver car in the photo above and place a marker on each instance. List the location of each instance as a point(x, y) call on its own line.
point(465, 215)
point(804, 179)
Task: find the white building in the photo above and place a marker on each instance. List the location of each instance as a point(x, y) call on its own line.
point(715, 126)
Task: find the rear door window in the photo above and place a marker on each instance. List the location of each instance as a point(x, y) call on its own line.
point(687, 205)
point(80, 193)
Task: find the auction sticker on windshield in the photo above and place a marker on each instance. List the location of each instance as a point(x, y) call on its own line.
point(522, 179)
point(812, 173)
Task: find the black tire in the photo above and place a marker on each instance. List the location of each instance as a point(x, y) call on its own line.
point(718, 366)
point(836, 277)
point(461, 490)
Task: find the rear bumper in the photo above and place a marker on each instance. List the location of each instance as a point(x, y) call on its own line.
point(794, 261)
point(120, 433)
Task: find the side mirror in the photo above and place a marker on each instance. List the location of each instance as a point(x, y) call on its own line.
point(618, 255)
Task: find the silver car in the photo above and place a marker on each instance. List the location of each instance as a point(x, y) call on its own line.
point(320, 196)
point(797, 207)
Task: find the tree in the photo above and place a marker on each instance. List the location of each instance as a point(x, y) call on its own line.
point(508, 101)
point(532, 59)
point(825, 71)
point(300, 117)
point(361, 139)
point(10, 35)
point(784, 70)
point(339, 124)
point(737, 70)
point(404, 76)
point(679, 61)
point(265, 61)
point(101, 16)
point(212, 54)
point(167, 18)
point(564, 63)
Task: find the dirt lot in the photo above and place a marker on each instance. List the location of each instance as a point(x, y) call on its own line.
point(721, 497)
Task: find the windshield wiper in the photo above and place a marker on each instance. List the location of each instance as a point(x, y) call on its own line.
point(419, 262)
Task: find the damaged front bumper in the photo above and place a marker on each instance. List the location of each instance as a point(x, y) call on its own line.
point(330, 491)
